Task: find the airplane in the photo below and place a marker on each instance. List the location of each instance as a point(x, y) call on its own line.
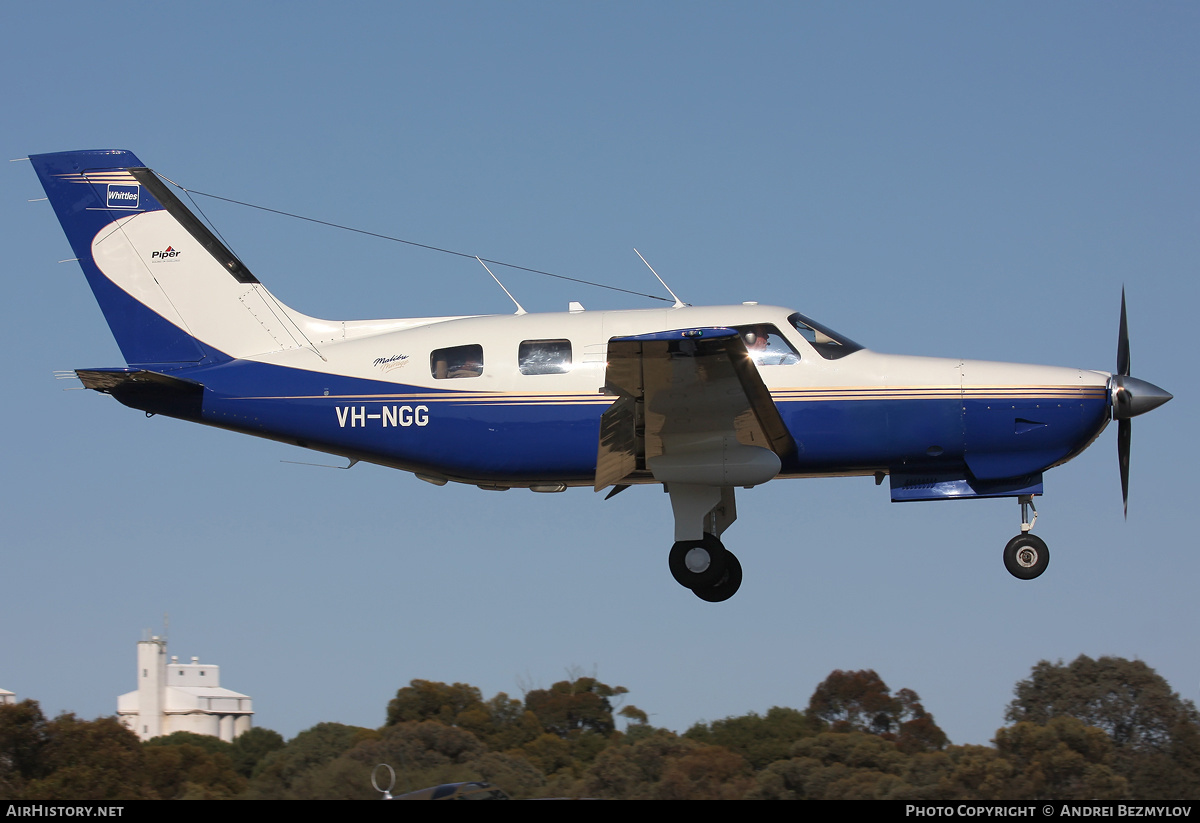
point(701, 400)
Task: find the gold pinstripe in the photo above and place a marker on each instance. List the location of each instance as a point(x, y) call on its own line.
point(817, 394)
point(109, 176)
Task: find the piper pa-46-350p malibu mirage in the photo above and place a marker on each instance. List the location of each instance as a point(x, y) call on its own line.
point(699, 399)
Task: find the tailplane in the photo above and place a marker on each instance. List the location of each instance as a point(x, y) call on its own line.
point(172, 293)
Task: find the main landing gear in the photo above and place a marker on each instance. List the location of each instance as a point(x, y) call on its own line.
point(1026, 555)
point(710, 570)
point(698, 560)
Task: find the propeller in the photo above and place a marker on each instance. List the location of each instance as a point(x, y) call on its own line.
point(1130, 397)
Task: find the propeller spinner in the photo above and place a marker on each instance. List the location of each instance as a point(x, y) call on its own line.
point(1130, 397)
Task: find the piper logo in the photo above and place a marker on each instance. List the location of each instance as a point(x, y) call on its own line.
point(123, 197)
point(166, 254)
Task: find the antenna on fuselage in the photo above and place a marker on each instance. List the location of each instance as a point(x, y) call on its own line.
point(353, 463)
point(520, 308)
point(679, 304)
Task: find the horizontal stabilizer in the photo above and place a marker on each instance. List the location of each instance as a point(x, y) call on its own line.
point(148, 391)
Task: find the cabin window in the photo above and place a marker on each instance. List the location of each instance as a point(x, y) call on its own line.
point(456, 361)
point(767, 347)
point(828, 343)
point(544, 356)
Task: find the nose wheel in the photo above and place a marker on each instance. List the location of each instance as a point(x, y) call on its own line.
point(1026, 555)
point(705, 566)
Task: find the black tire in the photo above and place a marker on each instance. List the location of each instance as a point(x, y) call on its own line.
point(712, 570)
point(1026, 556)
point(727, 586)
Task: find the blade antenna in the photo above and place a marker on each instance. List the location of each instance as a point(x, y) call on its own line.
point(520, 308)
point(353, 463)
point(679, 304)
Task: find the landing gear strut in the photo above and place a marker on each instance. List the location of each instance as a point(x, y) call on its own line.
point(698, 560)
point(1026, 555)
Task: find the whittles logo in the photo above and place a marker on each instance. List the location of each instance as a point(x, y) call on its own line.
point(123, 197)
point(166, 254)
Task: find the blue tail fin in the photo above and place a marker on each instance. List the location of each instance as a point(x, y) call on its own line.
point(92, 192)
point(171, 291)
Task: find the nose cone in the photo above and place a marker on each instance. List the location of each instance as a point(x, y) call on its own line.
point(1131, 397)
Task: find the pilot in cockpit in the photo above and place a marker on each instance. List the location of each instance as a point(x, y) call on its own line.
point(766, 351)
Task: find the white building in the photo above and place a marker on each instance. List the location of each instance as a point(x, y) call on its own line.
point(7, 698)
point(181, 697)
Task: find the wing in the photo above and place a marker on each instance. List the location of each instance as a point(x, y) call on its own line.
point(691, 407)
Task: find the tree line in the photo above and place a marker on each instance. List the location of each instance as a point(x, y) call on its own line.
point(1109, 728)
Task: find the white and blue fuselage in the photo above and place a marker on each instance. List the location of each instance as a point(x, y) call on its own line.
point(377, 398)
point(549, 401)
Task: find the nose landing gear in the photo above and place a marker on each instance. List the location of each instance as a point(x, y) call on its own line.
point(1026, 556)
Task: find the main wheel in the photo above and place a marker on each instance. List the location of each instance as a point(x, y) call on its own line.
point(697, 564)
point(727, 586)
point(1026, 556)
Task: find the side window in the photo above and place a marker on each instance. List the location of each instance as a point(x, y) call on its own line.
point(544, 356)
point(456, 361)
point(767, 347)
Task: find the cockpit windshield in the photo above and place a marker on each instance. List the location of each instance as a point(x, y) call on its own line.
point(828, 343)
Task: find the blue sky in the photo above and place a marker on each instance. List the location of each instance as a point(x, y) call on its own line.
point(974, 180)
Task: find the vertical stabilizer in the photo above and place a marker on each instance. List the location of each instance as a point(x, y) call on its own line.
point(172, 293)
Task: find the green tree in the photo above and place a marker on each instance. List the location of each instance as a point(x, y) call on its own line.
point(207, 742)
point(855, 701)
point(974, 773)
point(502, 723)
point(182, 771)
point(88, 760)
point(422, 754)
point(861, 701)
point(849, 765)
point(663, 766)
point(760, 740)
point(430, 700)
point(706, 773)
point(1062, 760)
point(571, 707)
point(515, 774)
point(551, 755)
point(281, 772)
point(251, 747)
point(917, 730)
point(1155, 734)
point(22, 738)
